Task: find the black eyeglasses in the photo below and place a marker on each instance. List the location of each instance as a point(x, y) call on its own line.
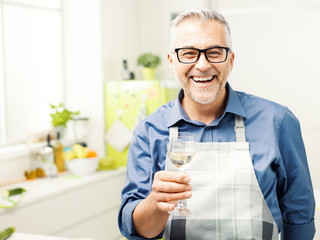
point(192, 55)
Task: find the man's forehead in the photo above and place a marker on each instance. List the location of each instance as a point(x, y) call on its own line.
point(190, 29)
point(198, 26)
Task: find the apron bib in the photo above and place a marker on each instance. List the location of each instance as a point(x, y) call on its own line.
point(226, 201)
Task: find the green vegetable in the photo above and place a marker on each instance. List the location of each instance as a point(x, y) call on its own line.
point(11, 192)
point(7, 233)
point(6, 194)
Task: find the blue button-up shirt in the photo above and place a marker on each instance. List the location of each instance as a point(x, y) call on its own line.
point(276, 148)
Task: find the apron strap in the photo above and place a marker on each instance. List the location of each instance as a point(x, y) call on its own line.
point(239, 128)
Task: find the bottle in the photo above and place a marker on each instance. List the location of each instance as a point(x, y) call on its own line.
point(125, 72)
point(80, 130)
point(58, 154)
point(47, 154)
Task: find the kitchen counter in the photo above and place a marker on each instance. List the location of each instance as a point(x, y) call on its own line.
point(25, 236)
point(68, 206)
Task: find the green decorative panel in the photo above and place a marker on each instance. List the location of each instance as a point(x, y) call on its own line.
point(128, 97)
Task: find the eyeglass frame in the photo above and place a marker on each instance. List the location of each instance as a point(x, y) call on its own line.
point(204, 51)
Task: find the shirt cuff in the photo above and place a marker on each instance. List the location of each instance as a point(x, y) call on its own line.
point(130, 231)
point(128, 225)
point(297, 232)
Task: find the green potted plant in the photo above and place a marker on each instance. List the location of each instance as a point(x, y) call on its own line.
point(60, 117)
point(149, 62)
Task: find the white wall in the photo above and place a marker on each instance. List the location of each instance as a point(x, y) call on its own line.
point(84, 82)
point(120, 36)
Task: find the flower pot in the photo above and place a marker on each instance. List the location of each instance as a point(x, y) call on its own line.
point(148, 73)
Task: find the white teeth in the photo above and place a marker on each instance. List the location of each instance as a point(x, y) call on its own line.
point(202, 79)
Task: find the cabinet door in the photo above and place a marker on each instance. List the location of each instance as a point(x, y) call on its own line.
point(101, 227)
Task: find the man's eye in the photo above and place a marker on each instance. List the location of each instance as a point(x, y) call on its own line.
point(189, 53)
point(214, 53)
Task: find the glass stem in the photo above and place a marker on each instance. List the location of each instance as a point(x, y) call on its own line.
point(180, 203)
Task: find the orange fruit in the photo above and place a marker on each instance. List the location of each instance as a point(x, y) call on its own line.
point(91, 154)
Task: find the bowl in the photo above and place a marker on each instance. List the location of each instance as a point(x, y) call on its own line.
point(82, 166)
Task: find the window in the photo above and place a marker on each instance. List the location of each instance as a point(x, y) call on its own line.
point(31, 66)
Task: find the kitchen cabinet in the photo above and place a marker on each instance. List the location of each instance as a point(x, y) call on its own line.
point(69, 206)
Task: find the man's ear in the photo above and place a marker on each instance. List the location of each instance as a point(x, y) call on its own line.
point(231, 55)
point(171, 64)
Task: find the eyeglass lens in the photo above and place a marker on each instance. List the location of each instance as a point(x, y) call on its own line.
point(214, 55)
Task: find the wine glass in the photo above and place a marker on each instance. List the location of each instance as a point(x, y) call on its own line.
point(181, 152)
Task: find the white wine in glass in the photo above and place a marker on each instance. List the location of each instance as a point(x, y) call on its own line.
point(181, 153)
point(180, 159)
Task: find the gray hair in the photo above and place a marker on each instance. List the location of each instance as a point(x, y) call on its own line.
point(204, 15)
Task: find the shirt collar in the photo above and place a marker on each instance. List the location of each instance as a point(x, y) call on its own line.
point(233, 106)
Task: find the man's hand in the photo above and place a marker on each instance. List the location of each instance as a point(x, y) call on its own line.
point(168, 188)
point(151, 214)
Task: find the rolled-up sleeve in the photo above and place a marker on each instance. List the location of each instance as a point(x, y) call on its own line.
point(126, 224)
point(140, 171)
point(292, 231)
point(295, 192)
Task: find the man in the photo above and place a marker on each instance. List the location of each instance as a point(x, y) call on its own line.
point(250, 177)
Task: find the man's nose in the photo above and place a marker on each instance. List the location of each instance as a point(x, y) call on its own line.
point(202, 64)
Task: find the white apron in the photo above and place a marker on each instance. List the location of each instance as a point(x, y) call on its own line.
point(226, 201)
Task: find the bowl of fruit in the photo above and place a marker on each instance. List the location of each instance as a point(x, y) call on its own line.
point(81, 160)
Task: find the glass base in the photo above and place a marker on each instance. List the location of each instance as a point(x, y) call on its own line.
point(180, 211)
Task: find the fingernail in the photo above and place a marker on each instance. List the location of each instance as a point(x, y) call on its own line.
point(188, 194)
point(186, 179)
point(188, 188)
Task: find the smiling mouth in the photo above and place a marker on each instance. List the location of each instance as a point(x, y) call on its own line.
point(203, 79)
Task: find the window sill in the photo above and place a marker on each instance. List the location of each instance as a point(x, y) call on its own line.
point(18, 150)
point(22, 150)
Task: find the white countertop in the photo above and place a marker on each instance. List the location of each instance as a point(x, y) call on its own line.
point(43, 188)
point(24, 236)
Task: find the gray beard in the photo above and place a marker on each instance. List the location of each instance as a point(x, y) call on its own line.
point(210, 100)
